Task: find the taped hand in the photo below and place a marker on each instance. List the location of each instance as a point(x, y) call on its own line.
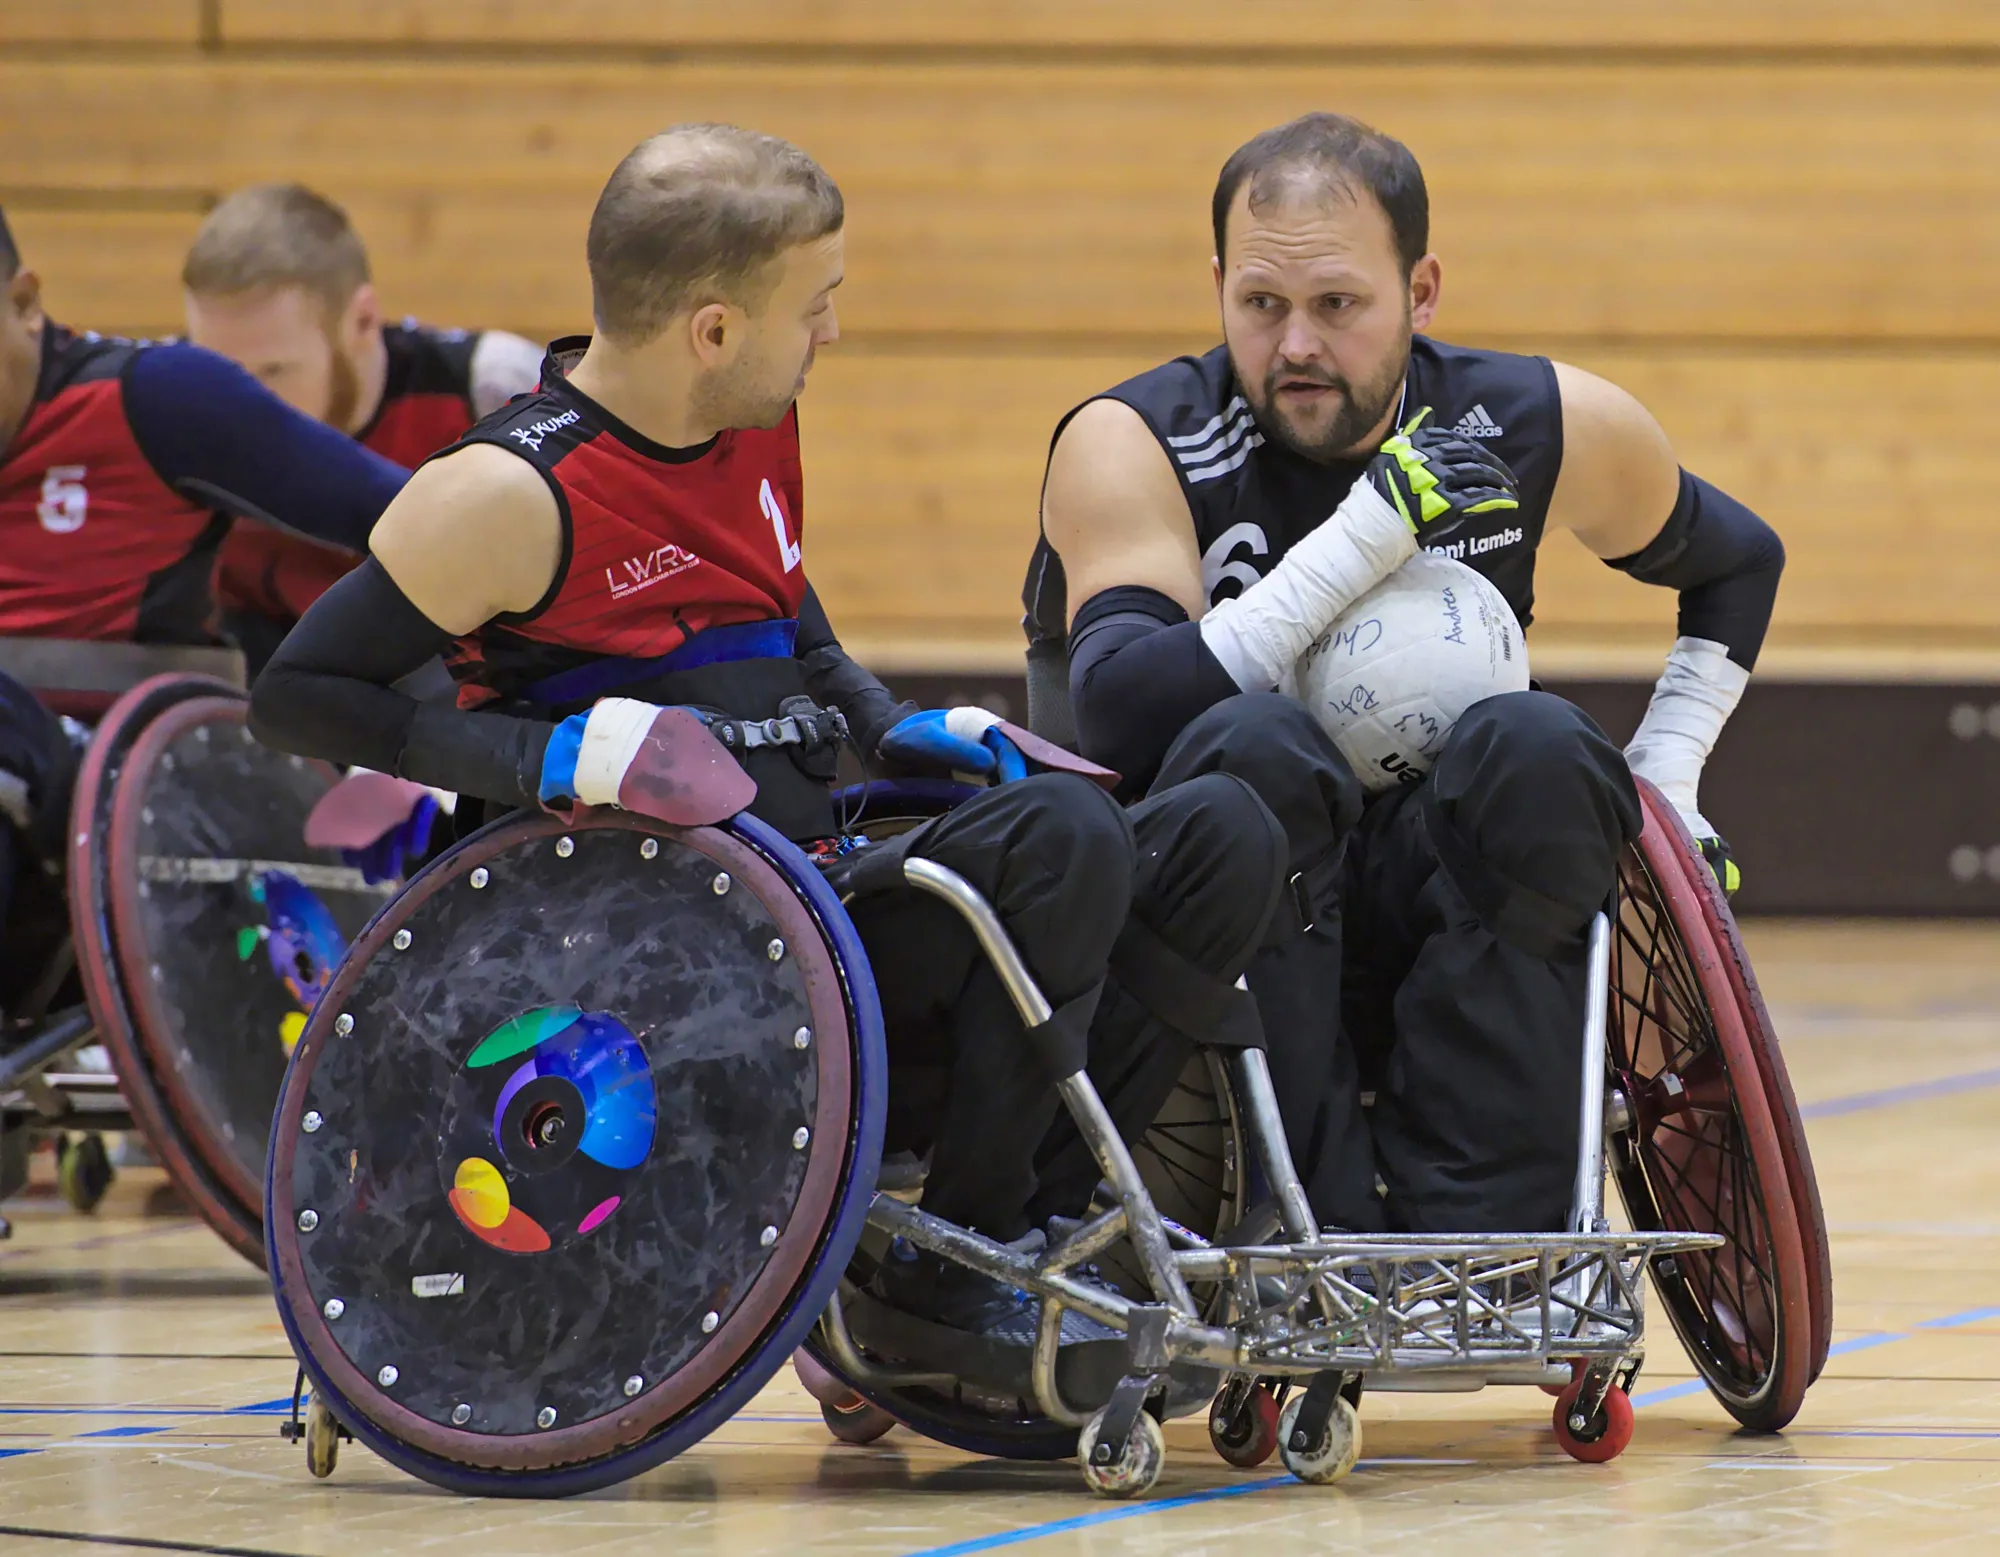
point(659, 762)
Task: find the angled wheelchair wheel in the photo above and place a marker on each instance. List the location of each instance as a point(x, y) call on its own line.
point(1700, 1150)
point(1191, 1160)
point(1784, 1103)
point(204, 929)
point(575, 1148)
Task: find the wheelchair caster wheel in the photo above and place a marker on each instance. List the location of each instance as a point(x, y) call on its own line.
point(859, 1423)
point(1144, 1458)
point(322, 1440)
point(1243, 1426)
point(1554, 1391)
point(1594, 1442)
point(1334, 1455)
point(83, 1170)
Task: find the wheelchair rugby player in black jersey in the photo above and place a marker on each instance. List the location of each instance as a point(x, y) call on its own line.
point(1205, 522)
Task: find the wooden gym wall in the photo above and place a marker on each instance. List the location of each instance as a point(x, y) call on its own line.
point(1777, 223)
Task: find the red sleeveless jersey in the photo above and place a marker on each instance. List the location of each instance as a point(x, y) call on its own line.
point(426, 403)
point(93, 543)
point(659, 543)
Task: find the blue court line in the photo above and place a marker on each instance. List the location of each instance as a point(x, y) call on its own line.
point(1854, 1343)
point(127, 1432)
point(1648, 1397)
point(987, 1543)
point(262, 1408)
point(1889, 1097)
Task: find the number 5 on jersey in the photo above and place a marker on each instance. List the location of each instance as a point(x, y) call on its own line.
point(788, 550)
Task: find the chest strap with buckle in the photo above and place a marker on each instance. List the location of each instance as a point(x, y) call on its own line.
point(811, 728)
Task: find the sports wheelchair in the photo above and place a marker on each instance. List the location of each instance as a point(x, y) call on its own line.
point(583, 1141)
point(199, 929)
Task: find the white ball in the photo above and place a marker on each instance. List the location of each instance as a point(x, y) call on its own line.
point(1389, 679)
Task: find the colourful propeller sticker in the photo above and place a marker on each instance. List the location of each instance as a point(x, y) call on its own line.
point(302, 941)
point(553, 1112)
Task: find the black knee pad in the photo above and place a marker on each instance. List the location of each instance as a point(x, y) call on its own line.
point(1528, 808)
point(1275, 745)
point(1226, 859)
point(1058, 825)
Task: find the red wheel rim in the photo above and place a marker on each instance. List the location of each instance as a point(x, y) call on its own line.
point(1784, 1104)
point(1703, 1153)
point(238, 1224)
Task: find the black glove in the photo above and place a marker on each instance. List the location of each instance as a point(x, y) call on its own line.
point(1435, 479)
point(1727, 876)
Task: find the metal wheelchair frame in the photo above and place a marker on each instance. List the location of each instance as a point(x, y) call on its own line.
point(1395, 1311)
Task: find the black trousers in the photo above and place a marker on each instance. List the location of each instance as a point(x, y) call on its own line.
point(1434, 954)
point(1064, 866)
point(34, 919)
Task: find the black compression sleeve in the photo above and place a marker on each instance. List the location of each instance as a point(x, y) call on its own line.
point(1138, 672)
point(217, 436)
point(1725, 562)
point(837, 681)
point(330, 692)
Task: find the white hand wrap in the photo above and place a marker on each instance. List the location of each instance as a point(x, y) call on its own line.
point(611, 739)
point(1259, 636)
point(1695, 696)
point(969, 723)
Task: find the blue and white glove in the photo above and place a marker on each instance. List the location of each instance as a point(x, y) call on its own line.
point(660, 762)
point(958, 741)
point(589, 754)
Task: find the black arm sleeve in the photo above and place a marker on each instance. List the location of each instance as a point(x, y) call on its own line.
point(837, 681)
point(330, 692)
point(218, 437)
point(1725, 562)
point(1138, 672)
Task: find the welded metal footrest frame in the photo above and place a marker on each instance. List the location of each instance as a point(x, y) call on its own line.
point(1393, 1304)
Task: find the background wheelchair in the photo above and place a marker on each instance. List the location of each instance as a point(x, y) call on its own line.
point(554, 1196)
point(200, 930)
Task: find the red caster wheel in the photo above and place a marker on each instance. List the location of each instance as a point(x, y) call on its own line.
point(1575, 1373)
point(1599, 1441)
point(858, 1424)
point(1243, 1427)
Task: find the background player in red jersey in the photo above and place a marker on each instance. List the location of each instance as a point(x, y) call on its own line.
point(278, 280)
point(635, 529)
point(121, 466)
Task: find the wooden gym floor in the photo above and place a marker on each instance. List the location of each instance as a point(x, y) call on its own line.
point(143, 1376)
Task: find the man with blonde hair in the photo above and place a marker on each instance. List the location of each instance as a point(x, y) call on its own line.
point(624, 549)
point(278, 280)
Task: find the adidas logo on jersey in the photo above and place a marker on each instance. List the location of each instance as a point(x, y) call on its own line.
point(1477, 424)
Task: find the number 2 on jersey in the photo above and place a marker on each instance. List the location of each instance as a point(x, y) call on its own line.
point(788, 550)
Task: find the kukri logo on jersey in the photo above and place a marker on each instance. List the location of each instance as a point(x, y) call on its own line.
point(533, 434)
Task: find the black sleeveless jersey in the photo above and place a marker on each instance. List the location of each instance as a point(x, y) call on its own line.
point(1252, 498)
